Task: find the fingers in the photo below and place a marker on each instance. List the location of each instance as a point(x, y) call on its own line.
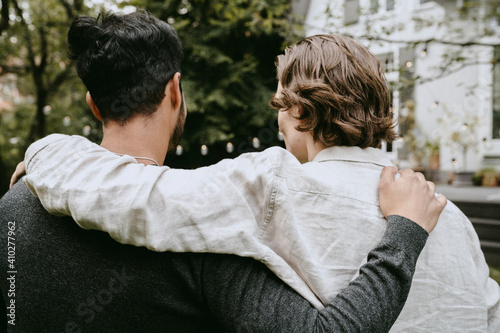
point(442, 199)
point(13, 180)
point(388, 174)
point(420, 176)
point(406, 172)
point(431, 186)
point(18, 173)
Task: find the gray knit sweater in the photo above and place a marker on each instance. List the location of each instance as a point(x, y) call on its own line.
point(66, 279)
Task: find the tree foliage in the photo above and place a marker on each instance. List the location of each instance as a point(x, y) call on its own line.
point(33, 54)
point(228, 74)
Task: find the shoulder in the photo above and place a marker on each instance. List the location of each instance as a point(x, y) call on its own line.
point(270, 159)
point(17, 198)
point(276, 156)
point(453, 221)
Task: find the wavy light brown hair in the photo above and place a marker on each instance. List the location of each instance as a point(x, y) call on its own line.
point(340, 88)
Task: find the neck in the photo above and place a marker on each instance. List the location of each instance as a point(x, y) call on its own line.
point(313, 148)
point(139, 137)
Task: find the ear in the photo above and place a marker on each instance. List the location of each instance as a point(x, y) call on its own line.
point(296, 111)
point(300, 111)
point(93, 107)
point(173, 90)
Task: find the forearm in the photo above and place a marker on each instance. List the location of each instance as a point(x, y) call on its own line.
point(246, 297)
point(162, 209)
point(75, 177)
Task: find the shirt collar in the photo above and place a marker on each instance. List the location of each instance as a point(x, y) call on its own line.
point(353, 154)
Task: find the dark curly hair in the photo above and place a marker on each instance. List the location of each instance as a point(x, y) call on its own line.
point(125, 61)
point(340, 88)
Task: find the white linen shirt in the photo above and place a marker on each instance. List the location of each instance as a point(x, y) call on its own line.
point(312, 224)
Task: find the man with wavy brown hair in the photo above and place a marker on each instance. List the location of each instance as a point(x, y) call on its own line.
point(310, 213)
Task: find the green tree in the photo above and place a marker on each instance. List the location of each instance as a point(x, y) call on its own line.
point(228, 73)
point(33, 52)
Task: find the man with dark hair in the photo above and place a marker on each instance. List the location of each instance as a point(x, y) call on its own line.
point(124, 72)
point(311, 217)
point(129, 75)
point(59, 278)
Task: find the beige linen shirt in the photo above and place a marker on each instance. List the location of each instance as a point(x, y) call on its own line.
point(312, 224)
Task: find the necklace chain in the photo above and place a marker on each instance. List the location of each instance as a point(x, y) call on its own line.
point(142, 158)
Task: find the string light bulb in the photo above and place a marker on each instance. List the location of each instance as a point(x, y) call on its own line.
point(86, 130)
point(229, 147)
point(179, 150)
point(204, 150)
point(67, 121)
point(47, 109)
point(256, 143)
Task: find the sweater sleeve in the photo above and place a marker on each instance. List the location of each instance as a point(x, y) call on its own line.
point(246, 297)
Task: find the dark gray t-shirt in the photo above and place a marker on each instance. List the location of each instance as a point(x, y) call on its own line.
point(56, 277)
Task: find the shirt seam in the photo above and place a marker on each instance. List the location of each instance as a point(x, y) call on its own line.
point(333, 194)
point(45, 145)
point(272, 198)
point(353, 161)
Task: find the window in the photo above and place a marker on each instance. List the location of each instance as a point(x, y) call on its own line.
point(496, 94)
point(351, 14)
point(387, 60)
point(373, 6)
point(406, 70)
point(389, 5)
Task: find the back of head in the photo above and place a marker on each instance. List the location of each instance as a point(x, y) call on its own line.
point(341, 89)
point(125, 61)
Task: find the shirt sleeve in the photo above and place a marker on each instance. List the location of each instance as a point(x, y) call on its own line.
point(160, 208)
point(246, 297)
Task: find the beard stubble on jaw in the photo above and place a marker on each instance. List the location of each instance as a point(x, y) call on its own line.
point(179, 128)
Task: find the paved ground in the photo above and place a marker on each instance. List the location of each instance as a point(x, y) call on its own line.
point(470, 193)
point(482, 207)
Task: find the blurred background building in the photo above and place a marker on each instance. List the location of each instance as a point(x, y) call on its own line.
point(441, 59)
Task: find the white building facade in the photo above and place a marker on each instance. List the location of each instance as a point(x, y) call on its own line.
point(441, 61)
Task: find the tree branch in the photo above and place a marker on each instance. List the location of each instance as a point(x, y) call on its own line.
point(427, 41)
point(29, 45)
point(43, 48)
point(68, 8)
point(59, 79)
point(469, 42)
point(447, 72)
point(78, 4)
point(4, 18)
point(6, 69)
